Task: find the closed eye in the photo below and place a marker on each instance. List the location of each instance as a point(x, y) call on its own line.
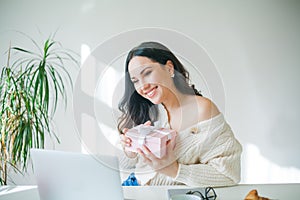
point(147, 72)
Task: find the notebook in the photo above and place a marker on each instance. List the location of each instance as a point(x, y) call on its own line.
point(65, 175)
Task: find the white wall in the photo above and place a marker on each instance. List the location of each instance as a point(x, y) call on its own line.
point(254, 45)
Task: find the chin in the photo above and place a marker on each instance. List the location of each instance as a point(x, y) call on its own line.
point(155, 101)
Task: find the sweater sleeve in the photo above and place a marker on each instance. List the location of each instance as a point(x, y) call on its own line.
point(222, 166)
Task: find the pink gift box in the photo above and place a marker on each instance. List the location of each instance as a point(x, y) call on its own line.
point(154, 138)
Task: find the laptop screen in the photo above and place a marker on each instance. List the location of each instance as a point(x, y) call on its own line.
point(65, 175)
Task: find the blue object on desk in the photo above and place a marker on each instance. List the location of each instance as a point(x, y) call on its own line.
point(131, 181)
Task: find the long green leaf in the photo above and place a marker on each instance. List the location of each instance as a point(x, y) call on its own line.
point(23, 50)
point(55, 85)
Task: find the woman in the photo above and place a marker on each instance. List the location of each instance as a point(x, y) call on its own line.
point(157, 88)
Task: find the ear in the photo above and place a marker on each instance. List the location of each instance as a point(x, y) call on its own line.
point(170, 67)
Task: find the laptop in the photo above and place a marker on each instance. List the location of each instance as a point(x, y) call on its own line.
point(65, 176)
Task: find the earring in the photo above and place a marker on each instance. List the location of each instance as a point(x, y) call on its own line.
point(173, 75)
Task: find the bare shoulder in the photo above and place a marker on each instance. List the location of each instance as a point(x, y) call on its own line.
point(206, 108)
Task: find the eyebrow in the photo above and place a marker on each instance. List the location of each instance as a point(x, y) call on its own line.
point(142, 71)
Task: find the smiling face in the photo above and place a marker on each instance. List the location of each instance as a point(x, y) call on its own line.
point(151, 80)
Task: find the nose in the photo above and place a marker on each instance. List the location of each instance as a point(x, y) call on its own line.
point(144, 87)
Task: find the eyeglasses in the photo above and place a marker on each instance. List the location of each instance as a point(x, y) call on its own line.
point(209, 194)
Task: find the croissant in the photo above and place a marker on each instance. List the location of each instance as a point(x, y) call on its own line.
point(253, 195)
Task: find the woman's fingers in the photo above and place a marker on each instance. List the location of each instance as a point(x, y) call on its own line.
point(124, 131)
point(122, 138)
point(145, 152)
point(171, 144)
point(125, 141)
point(147, 123)
point(145, 155)
point(149, 154)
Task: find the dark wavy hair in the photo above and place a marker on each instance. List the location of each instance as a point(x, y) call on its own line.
point(137, 109)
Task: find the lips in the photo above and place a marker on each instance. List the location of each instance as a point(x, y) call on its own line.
point(151, 93)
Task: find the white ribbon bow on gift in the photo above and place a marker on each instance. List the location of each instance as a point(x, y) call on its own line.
point(145, 130)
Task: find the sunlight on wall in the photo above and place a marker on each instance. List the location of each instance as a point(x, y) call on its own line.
point(104, 93)
point(258, 169)
point(86, 120)
point(85, 52)
point(106, 86)
point(99, 130)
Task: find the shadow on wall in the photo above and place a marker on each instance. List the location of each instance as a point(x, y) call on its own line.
point(283, 138)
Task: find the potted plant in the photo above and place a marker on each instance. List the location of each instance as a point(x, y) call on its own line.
point(31, 85)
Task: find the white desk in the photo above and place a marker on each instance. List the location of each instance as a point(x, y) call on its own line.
point(273, 191)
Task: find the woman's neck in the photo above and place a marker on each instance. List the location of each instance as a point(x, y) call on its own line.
point(179, 110)
point(175, 101)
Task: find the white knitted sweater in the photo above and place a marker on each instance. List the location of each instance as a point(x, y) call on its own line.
point(208, 155)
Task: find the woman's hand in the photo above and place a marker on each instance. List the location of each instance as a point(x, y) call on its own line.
point(167, 165)
point(126, 141)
